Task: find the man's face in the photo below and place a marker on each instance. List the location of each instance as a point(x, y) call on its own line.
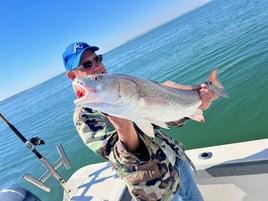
point(88, 65)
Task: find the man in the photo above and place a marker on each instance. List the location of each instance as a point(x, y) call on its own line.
point(153, 168)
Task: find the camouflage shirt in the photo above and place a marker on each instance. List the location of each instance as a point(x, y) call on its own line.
point(150, 173)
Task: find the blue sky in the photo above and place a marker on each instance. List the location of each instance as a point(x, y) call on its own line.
point(34, 33)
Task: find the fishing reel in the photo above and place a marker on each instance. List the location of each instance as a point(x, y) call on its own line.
point(37, 141)
point(34, 142)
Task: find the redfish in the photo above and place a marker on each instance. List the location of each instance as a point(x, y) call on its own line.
point(145, 102)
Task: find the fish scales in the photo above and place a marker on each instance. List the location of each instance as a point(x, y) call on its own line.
point(147, 88)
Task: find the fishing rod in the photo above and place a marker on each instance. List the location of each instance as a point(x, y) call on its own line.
point(51, 170)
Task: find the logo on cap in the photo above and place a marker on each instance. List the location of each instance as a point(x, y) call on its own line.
point(76, 46)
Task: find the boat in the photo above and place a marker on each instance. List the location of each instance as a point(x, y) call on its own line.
point(230, 172)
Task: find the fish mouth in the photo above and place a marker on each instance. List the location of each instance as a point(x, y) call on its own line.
point(82, 91)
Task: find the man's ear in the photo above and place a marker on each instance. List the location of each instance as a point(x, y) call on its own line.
point(70, 75)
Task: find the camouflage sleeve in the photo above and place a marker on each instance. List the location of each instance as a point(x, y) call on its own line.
point(93, 127)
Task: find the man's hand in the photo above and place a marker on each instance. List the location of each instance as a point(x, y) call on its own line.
point(126, 132)
point(121, 125)
point(207, 96)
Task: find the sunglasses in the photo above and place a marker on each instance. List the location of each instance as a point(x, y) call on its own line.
point(88, 64)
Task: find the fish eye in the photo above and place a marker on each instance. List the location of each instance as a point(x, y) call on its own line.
point(97, 77)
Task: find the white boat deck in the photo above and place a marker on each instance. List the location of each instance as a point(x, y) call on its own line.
point(233, 172)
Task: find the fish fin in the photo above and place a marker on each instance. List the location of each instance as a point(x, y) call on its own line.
point(198, 116)
point(177, 123)
point(215, 85)
point(158, 123)
point(146, 127)
point(172, 84)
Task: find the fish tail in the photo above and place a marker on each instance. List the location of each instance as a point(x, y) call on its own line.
point(215, 85)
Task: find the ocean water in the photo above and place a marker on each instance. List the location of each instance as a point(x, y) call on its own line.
point(229, 35)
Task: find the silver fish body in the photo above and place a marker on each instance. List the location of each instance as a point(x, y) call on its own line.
point(142, 101)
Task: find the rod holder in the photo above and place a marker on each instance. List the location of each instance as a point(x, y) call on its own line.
point(51, 170)
point(37, 183)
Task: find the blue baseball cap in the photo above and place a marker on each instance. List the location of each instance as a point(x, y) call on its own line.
point(72, 54)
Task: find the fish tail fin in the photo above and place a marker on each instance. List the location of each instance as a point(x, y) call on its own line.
point(198, 116)
point(215, 85)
